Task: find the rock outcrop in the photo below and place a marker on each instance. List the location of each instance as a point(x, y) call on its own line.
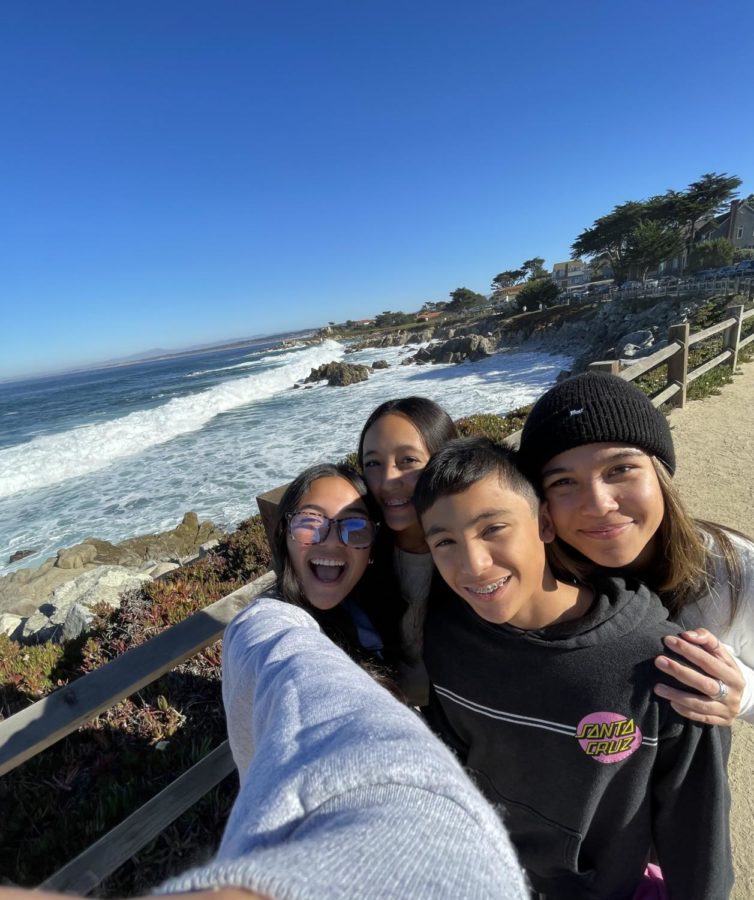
point(338, 374)
point(71, 608)
point(22, 592)
point(472, 347)
point(20, 554)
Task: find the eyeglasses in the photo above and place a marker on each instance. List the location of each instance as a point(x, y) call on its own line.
point(308, 528)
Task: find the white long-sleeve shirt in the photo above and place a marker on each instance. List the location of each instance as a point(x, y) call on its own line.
point(713, 612)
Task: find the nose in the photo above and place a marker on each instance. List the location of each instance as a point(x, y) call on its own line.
point(392, 477)
point(333, 535)
point(598, 498)
point(475, 559)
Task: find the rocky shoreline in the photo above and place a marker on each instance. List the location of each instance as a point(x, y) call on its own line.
point(55, 600)
point(626, 330)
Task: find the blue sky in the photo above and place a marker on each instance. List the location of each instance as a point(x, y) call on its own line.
point(178, 172)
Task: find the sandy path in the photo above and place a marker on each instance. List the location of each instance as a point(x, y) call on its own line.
point(714, 442)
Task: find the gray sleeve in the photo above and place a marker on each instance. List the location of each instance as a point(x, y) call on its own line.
point(344, 792)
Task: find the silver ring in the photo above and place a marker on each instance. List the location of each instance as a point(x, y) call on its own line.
point(723, 692)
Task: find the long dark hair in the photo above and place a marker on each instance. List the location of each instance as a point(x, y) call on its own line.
point(431, 421)
point(374, 593)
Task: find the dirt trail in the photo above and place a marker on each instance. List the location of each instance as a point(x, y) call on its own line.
point(714, 442)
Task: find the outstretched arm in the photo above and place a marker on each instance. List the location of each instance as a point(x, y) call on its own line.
point(344, 791)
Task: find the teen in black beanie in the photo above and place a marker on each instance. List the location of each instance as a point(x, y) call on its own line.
point(615, 510)
point(593, 408)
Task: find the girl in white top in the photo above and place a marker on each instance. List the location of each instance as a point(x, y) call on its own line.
point(396, 443)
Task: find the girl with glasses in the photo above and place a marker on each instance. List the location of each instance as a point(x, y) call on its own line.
point(324, 538)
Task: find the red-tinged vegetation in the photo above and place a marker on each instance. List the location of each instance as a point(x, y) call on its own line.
point(109, 767)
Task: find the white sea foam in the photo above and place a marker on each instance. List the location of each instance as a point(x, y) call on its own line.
point(243, 365)
point(219, 467)
point(53, 458)
point(276, 356)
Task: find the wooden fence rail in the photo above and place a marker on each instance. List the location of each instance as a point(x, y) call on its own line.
point(48, 720)
point(39, 726)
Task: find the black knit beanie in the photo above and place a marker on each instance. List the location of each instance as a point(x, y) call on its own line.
point(592, 408)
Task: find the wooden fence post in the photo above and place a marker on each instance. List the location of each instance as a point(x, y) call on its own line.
point(606, 365)
point(678, 365)
point(732, 335)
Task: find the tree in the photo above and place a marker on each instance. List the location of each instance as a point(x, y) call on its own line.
point(507, 279)
point(649, 244)
point(711, 254)
point(463, 298)
point(534, 268)
point(433, 305)
point(672, 213)
point(608, 237)
point(392, 318)
point(705, 197)
point(536, 291)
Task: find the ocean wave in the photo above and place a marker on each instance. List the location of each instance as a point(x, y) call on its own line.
point(244, 365)
point(281, 355)
point(52, 458)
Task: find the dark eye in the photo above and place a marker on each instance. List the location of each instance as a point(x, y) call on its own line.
point(559, 482)
point(411, 460)
point(494, 530)
point(623, 469)
point(443, 542)
point(370, 463)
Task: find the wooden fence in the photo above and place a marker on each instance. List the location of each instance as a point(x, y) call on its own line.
point(38, 727)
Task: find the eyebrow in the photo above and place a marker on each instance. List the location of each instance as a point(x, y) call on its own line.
point(608, 458)
point(413, 447)
point(487, 514)
point(352, 508)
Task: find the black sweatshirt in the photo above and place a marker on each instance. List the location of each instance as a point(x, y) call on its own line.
point(562, 731)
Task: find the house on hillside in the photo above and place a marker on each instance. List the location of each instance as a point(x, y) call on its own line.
point(428, 316)
point(570, 273)
point(736, 225)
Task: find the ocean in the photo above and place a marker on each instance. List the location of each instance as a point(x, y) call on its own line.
point(127, 450)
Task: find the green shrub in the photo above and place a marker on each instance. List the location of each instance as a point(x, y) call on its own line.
point(492, 426)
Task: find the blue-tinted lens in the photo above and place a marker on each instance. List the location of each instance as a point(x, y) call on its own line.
point(356, 531)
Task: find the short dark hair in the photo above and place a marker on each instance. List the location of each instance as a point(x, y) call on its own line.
point(288, 582)
point(465, 461)
point(431, 421)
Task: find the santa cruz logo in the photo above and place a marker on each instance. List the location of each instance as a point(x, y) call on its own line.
point(608, 737)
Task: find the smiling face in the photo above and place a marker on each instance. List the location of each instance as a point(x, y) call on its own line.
point(487, 543)
point(394, 454)
point(605, 501)
point(329, 571)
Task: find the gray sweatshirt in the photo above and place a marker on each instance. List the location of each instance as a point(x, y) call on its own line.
point(344, 792)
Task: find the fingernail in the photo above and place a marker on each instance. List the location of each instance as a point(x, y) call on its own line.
point(662, 663)
point(671, 640)
point(693, 634)
point(661, 690)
